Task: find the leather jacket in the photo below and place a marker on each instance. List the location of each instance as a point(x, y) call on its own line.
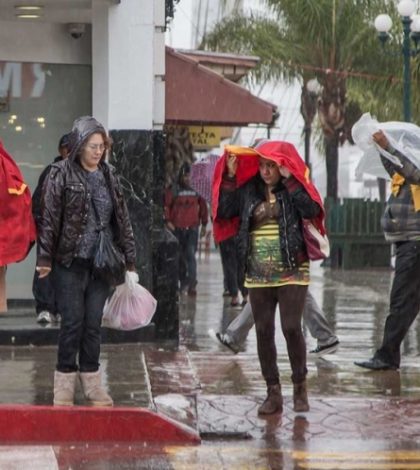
point(64, 208)
point(294, 202)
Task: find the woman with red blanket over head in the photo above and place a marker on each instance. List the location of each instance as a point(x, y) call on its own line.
point(268, 188)
point(17, 227)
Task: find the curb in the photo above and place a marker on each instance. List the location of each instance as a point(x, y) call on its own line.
point(50, 424)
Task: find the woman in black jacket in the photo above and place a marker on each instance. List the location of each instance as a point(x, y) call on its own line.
point(271, 206)
point(81, 196)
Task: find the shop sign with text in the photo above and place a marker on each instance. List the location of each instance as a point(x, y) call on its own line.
point(204, 137)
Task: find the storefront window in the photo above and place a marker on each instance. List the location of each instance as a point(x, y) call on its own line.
point(38, 104)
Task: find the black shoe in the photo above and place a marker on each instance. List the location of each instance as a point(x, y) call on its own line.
point(327, 349)
point(376, 364)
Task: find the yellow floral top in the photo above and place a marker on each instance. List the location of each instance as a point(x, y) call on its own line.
point(264, 265)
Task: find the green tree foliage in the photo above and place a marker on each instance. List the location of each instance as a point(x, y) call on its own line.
point(334, 41)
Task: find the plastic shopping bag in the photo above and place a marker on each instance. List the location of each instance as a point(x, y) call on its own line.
point(131, 306)
point(403, 136)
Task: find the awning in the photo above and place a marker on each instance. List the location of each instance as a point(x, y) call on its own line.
point(197, 95)
point(230, 66)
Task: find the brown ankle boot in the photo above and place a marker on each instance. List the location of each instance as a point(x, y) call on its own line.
point(274, 401)
point(300, 397)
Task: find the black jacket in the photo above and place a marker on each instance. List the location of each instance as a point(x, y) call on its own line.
point(36, 196)
point(295, 204)
point(64, 206)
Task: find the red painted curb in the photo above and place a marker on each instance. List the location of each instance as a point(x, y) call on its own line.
point(48, 424)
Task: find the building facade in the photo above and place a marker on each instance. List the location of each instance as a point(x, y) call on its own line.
point(60, 59)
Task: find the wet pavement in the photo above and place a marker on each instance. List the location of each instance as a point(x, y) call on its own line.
point(358, 419)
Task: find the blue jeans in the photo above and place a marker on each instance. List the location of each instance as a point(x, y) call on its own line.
point(80, 301)
point(187, 239)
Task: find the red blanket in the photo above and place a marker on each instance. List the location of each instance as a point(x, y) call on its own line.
point(283, 153)
point(17, 227)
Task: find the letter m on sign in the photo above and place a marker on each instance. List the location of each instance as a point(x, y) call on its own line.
point(11, 79)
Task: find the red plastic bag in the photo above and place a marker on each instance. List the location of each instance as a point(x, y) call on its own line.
point(131, 306)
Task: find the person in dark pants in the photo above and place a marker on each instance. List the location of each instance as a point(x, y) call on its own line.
point(269, 190)
point(81, 197)
point(43, 289)
point(401, 224)
point(185, 209)
point(233, 271)
point(237, 331)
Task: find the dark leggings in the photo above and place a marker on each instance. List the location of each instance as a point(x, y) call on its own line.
point(291, 299)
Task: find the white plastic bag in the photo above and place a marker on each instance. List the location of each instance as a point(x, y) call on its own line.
point(131, 306)
point(403, 136)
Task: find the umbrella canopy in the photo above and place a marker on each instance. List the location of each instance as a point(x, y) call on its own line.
point(202, 175)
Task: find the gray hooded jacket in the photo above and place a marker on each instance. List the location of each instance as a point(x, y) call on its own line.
point(64, 204)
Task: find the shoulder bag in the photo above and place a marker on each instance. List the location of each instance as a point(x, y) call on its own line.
point(317, 245)
point(108, 261)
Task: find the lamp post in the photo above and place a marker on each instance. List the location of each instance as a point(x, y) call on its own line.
point(411, 29)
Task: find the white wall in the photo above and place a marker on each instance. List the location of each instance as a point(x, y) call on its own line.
point(129, 64)
point(43, 42)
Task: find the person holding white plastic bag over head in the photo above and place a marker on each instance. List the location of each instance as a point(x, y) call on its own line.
point(131, 306)
point(401, 224)
point(404, 137)
point(84, 231)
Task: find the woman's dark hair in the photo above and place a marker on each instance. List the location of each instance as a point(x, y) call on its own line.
point(64, 141)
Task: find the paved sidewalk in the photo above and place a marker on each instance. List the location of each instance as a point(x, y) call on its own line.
point(366, 419)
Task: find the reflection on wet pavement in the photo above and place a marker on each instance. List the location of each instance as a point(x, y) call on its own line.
point(26, 375)
point(358, 419)
point(355, 304)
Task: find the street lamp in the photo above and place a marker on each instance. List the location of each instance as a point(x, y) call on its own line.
point(411, 28)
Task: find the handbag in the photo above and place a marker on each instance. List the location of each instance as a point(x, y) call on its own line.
point(108, 260)
point(317, 245)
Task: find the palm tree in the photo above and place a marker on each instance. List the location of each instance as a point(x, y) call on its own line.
point(333, 41)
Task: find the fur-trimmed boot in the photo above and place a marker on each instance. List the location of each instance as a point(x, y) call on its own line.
point(300, 397)
point(64, 387)
point(274, 401)
point(93, 389)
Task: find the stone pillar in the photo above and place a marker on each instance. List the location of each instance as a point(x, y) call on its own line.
point(128, 60)
point(165, 253)
point(133, 159)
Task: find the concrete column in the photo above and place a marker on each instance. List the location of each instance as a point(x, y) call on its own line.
point(128, 60)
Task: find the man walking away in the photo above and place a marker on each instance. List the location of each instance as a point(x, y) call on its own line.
point(185, 210)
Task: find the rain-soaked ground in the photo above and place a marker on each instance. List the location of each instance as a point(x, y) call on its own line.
point(358, 419)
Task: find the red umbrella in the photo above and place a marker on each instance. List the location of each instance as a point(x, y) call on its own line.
point(202, 175)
